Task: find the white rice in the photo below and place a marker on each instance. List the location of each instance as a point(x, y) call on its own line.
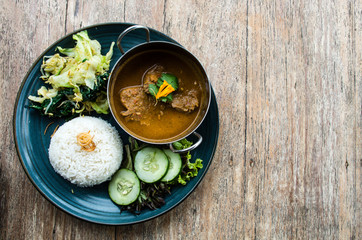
point(81, 167)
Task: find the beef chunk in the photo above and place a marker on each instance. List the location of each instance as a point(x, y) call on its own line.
point(185, 101)
point(136, 101)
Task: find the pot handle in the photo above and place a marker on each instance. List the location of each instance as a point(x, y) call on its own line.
point(125, 32)
point(189, 148)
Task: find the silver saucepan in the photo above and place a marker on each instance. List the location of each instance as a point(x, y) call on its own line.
point(153, 47)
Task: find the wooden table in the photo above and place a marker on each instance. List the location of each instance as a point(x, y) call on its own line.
point(287, 77)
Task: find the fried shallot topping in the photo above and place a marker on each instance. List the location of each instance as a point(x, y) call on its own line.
point(85, 140)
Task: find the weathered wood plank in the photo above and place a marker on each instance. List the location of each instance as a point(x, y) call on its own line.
point(355, 30)
point(25, 33)
point(300, 78)
point(81, 13)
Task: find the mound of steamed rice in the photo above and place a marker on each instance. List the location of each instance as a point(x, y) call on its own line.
point(81, 167)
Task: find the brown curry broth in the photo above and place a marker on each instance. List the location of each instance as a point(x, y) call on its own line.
point(172, 122)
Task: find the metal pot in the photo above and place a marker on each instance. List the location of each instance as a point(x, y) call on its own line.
point(122, 62)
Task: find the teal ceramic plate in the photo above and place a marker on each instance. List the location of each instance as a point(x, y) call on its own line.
point(93, 204)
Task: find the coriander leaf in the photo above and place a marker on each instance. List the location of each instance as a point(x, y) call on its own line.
point(153, 89)
point(159, 82)
point(166, 93)
point(170, 79)
point(168, 98)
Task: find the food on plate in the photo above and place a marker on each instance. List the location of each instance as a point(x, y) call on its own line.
point(149, 173)
point(85, 140)
point(157, 95)
point(186, 102)
point(139, 108)
point(86, 151)
point(174, 167)
point(163, 89)
point(124, 187)
point(76, 79)
point(150, 164)
point(164, 94)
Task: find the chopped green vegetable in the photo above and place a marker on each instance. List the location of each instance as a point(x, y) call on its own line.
point(82, 72)
point(100, 105)
point(182, 144)
point(153, 89)
point(62, 104)
point(164, 87)
point(128, 163)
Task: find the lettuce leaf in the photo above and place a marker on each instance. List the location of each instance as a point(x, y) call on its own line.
point(191, 169)
point(44, 93)
point(100, 105)
point(182, 144)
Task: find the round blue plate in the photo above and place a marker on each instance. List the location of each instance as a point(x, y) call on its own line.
point(93, 204)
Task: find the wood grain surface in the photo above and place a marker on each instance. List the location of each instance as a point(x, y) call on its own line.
point(287, 77)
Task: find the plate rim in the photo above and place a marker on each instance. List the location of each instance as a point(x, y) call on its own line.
point(20, 157)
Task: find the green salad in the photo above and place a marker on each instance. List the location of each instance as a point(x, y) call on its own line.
point(149, 173)
point(76, 79)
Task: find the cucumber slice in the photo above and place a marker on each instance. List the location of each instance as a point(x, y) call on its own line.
point(174, 167)
point(124, 187)
point(150, 164)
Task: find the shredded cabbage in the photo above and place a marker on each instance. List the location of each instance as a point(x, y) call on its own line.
point(45, 94)
point(75, 68)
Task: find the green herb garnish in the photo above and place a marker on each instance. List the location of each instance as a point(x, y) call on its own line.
point(164, 87)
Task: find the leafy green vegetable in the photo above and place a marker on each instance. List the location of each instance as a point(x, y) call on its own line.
point(168, 98)
point(101, 104)
point(151, 196)
point(78, 71)
point(169, 78)
point(153, 89)
point(128, 163)
point(163, 91)
point(62, 105)
point(182, 144)
point(189, 170)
